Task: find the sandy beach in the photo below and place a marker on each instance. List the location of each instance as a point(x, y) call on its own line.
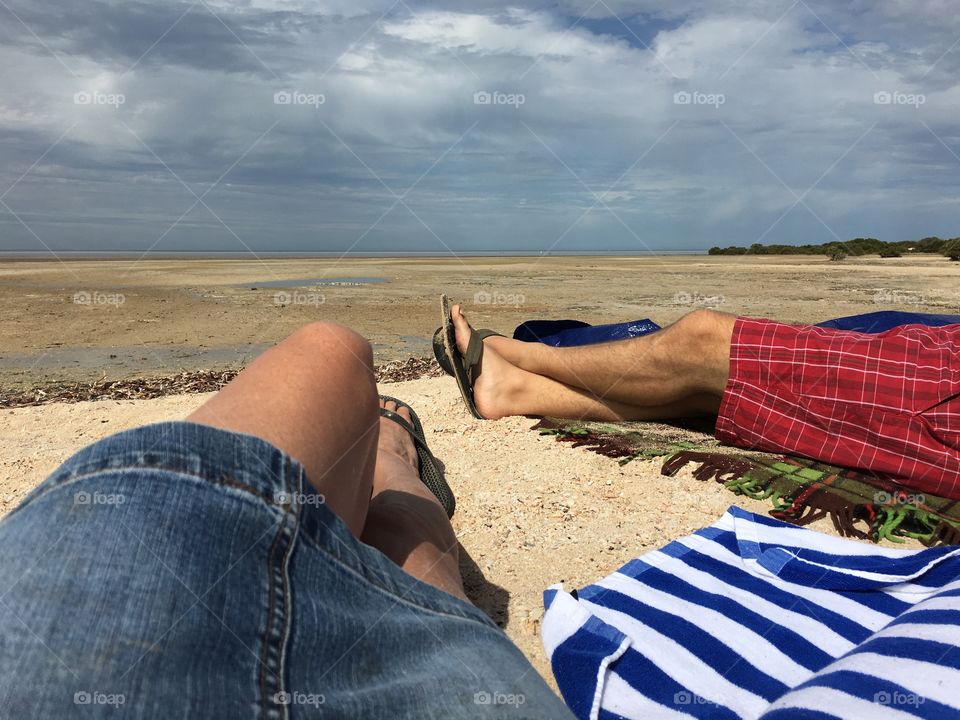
point(531, 511)
point(82, 320)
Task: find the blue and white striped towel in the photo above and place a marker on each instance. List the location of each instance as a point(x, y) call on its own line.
point(752, 617)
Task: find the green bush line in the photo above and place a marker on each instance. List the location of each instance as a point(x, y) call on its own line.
point(858, 246)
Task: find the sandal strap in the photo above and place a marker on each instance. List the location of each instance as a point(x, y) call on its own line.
point(418, 440)
point(440, 354)
point(402, 422)
point(474, 350)
point(430, 473)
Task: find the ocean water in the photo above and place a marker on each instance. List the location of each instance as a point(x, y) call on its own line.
point(311, 282)
point(108, 254)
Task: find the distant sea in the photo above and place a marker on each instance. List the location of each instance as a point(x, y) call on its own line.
point(108, 254)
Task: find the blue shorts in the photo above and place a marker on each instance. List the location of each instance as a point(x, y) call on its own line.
point(178, 570)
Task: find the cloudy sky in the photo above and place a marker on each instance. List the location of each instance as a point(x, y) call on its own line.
point(379, 125)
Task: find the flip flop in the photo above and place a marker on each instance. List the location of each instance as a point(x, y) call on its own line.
point(456, 363)
point(429, 469)
point(440, 353)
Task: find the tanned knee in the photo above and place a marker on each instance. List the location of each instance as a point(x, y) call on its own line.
point(333, 342)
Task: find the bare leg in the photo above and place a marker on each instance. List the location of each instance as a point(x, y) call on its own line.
point(406, 522)
point(501, 390)
point(679, 371)
point(690, 356)
point(313, 396)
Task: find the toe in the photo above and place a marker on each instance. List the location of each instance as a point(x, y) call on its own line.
point(401, 410)
point(394, 438)
point(461, 328)
point(390, 405)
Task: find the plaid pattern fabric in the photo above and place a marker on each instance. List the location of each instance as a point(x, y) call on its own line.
point(887, 404)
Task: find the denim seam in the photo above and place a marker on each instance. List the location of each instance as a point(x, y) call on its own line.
point(276, 629)
point(405, 601)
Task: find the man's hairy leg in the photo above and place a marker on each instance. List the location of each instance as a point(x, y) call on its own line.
point(503, 388)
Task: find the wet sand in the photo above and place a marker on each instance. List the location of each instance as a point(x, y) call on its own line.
point(82, 320)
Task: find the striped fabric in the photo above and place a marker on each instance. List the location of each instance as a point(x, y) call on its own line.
point(755, 618)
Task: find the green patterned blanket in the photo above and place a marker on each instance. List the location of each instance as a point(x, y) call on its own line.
point(800, 490)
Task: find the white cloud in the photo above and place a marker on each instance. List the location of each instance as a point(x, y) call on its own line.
point(345, 8)
point(527, 34)
point(400, 94)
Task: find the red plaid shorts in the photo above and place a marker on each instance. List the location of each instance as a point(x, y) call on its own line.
point(885, 403)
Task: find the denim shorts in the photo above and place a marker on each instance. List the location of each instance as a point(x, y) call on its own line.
point(178, 570)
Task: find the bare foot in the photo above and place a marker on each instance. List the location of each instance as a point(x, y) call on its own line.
point(406, 521)
point(495, 380)
point(395, 446)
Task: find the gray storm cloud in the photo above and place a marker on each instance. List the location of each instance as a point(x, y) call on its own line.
point(279, 125)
